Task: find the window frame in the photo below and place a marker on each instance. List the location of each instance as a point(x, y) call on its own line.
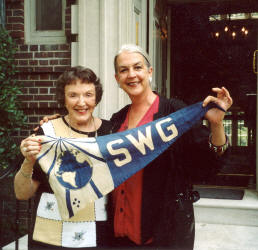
point(41, 37)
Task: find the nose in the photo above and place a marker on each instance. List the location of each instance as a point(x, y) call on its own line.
point(81, 100)
point(131, 73)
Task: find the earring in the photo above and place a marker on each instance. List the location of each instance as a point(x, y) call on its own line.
point(150, 79)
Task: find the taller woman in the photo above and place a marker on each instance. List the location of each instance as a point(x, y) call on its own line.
point(154, 207)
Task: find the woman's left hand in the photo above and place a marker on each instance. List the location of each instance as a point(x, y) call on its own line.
point(223, 99)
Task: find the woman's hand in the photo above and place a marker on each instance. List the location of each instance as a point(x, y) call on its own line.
point(46, 119)
point(30, 147)
point(223, 99)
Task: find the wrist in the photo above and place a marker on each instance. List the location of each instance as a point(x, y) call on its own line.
point(27, 167)
point(218, 149)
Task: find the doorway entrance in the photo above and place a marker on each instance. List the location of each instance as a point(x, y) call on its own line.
point(213, 44)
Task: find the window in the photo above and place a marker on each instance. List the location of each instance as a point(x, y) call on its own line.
point(236, 130)
point(45, 21)
point(2, 12)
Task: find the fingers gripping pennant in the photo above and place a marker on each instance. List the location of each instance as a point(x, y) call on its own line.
point(86, 169)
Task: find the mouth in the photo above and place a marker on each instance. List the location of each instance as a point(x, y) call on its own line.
point(81, 111)
point(133, 84)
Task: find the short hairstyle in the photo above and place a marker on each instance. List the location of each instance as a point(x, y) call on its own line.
point(132, 48)
point(85, 75)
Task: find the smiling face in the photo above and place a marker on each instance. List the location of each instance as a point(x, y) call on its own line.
point(80, 101)
point(133, 74)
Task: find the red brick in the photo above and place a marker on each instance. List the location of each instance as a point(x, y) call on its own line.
point(9, 26)
point(44, 54)
point(23, 77)
point(33, 119)
point(33, 47)
point(64, 47)
point(48, 47)
point(52, 90)
point(26, 69)
point(24, 91)
point(18, 27)
point(65, 62)
point(18, 13)
point(34, 77)
point(63, 54)
point(33, 90)
point(9, 13)
point(55, 76)
point(44, 69)
point(24, 97)
point(44, 84)
point(43, 97)
point(61, 68)
point(15, 4)
point(33, 104)
point(16, 34)
point(28, 84)
point(23, 48)
point(43, 62)
point(44, 77)
point(53, 62)
point(53, 105)
point(15, 19)
point(23, 55)
point(23, 62)
point(43, 104)
point(33, 62)
point(43, 90)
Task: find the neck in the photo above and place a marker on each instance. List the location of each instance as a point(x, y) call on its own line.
point(144, 100)
point(87, 126)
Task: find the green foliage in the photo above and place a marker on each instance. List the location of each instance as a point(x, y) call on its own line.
point(11, 115)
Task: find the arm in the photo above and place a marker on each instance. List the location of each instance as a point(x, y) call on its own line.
point(24, 186)
point(216, 116)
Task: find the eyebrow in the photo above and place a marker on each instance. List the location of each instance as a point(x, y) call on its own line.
point(126, 66)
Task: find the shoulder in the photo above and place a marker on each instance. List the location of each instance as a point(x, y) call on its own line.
point(167, 106)
point(105, 128)
point(118, 116)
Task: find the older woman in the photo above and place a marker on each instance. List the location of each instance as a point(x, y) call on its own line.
point(165, 218)
point(78, 91)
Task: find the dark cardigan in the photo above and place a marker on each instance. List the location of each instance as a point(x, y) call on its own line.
point(167, 210)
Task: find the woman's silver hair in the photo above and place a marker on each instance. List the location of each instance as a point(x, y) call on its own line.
point(132, 48)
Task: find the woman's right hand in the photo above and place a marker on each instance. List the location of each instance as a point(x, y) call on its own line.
point(30, 147)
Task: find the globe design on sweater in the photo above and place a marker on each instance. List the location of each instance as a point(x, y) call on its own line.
point(73, 169)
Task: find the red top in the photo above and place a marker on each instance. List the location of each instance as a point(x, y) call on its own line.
point(127, 197)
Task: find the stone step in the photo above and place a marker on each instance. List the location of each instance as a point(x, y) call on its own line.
point(225, 237)
point(227, 211)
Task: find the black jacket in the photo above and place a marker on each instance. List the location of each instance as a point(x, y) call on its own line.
point(167, 210)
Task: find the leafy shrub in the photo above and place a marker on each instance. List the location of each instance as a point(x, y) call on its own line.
point(11, 116)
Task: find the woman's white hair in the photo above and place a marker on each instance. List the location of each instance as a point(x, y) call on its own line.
point(132, 48)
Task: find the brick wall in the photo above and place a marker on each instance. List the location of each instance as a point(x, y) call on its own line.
point(38, 65)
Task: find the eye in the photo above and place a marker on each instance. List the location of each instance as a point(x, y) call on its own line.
point(123, 70)
point(138, 67)
point(71, 95)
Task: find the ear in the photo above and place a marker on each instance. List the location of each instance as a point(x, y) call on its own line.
point(150, 70)
point(117, 80)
